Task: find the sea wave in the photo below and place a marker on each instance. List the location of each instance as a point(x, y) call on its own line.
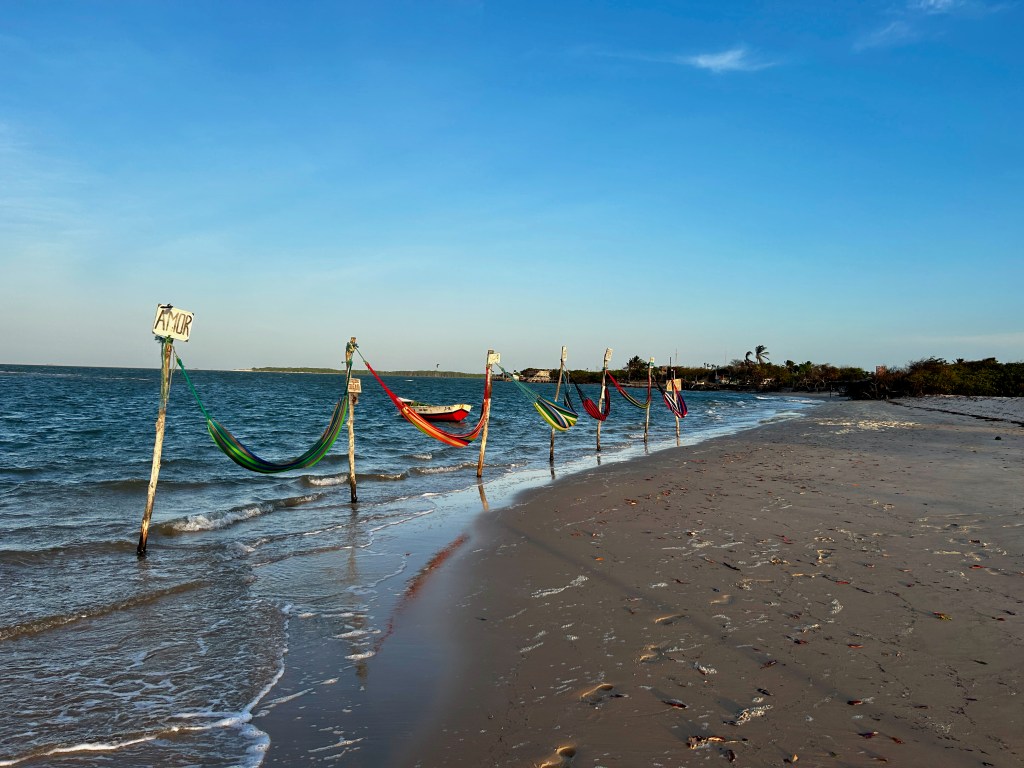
point(217, 520)
point(329, 481)
point(442, 469)
point(46, 623)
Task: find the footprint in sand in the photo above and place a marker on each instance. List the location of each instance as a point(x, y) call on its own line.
point(562, 759)
point(671, 619)
point(601, 693)
point(651, 654)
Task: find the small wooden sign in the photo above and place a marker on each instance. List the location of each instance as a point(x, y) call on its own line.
point(355, 387)
point(493, 358)
point(172, 322)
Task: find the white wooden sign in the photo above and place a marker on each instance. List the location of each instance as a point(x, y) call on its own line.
point(172, 322)
point(355, 387)
point(493, 358)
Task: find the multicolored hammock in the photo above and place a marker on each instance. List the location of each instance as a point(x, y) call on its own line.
point(426, 427)
point(243, 457)
point(629, 398)
point(557, 416)
point(589, 405)
point(674, 399)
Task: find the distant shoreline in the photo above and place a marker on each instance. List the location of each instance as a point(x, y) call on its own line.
point(411, 374)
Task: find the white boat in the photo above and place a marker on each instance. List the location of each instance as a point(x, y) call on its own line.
point(455, 412)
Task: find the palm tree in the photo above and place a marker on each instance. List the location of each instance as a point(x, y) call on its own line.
point(747, 359)
point(761, 353)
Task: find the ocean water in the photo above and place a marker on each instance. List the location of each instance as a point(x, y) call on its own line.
point(171, 660)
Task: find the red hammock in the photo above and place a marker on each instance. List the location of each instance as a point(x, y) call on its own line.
point(590, 406)
point(426, 427)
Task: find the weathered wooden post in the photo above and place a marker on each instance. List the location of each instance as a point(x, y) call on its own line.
point(558, 389)
point(600, 402)
point(354, 390)
point(647, 416)
point(674, 386)
point(493, 358)
point(171, 323)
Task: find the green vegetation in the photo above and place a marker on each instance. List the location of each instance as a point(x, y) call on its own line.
point(755, 372)
point(935, 376)
point(294, 370)
point(931, 376)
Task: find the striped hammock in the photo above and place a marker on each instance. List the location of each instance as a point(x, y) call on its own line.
point(674, 399)
point(629, 398)
point(430, 429)
point(247, 459)
point(557, 417)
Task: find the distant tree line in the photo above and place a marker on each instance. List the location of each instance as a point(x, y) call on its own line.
point(755, 372)
point(935, 376)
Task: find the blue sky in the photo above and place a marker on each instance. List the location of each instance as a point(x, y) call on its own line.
point(842, 182)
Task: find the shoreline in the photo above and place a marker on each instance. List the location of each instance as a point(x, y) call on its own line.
point(846, 589)
point(728, 597)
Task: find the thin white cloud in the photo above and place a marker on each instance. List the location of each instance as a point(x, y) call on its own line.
point(934, 6)
point(733, 60)
point(892, 34)
point(738, 59)
point(919, 19)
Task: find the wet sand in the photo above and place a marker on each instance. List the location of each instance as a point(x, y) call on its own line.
point(845, 589)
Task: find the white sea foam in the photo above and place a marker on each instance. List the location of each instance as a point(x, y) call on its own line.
point(327, 480)
point(578, 581)
point(202, 522)
point(442, 469)
point(86, 747)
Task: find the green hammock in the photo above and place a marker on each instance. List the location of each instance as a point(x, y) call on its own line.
point(243, 457)
point(554, 414)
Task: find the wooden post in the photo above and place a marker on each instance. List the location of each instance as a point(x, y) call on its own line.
point(354, 388)
point(558, 389)
point(492, 359)
point(672, 387)
point(647, 416)
point(158, 447)
point(600, 401)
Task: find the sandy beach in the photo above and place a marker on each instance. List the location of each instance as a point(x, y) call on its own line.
point(844, 589)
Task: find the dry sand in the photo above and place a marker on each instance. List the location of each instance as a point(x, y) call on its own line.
point(845, 589)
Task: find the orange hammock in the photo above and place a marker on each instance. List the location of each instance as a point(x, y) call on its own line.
point(426, 427)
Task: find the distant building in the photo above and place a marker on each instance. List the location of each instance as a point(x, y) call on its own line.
point(538, 376)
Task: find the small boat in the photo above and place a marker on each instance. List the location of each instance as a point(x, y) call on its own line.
point(456, 412)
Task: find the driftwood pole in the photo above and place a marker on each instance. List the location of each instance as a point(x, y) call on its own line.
point(354, 388)
point(167, 348)
point(647, 416)
point(600, 401)
point(492, 359)
point(672, 388)
point(558, 389)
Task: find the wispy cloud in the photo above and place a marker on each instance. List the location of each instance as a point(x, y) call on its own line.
point(738, 59)
point(915, 18)
point(733, 60)
point(934, 6)
point(892, 34)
